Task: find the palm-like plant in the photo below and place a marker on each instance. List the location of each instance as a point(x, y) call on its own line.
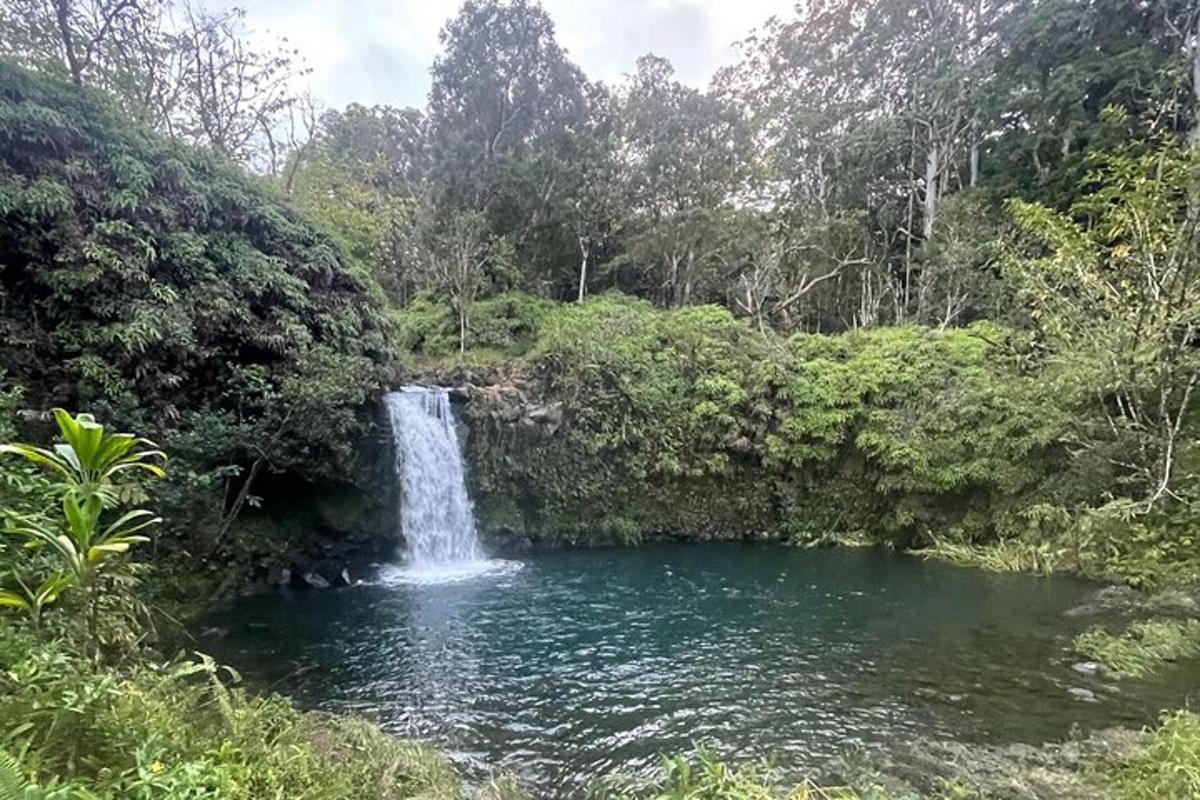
point(90, 460)
point(89, 464)
point(33, 599)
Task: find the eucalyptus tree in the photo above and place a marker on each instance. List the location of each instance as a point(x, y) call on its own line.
point(687, 157)
point(876, 107)
point(193, 72)
point(504, 112)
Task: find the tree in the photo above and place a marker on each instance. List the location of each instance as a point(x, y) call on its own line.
point(359, 175)
point(1114, 288)
point(686, 157)
point(453, 251)
point(191, 72)
point(83, 39)
point(504, 112)
point(173, 294)
point(233, 95)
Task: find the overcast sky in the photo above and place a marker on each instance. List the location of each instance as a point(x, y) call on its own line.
point(380, 51)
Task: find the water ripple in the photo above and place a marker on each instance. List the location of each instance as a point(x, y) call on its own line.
point(576, 664)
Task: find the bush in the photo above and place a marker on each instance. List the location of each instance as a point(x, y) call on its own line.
point(161, 288)
point(505, 325)
point(183, 730)
point(1143, 648)
point(690, 422)
point(1169, 765)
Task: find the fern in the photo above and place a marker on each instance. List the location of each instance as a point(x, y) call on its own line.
point(12, 782)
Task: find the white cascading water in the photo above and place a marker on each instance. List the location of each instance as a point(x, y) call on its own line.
point(435, 510)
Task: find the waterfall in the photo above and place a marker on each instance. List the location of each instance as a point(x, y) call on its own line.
point(435, 510)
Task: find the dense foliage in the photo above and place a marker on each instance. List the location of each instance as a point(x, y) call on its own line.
point(915, 272)
point(184, 730)
point(156, 285)
point(901, 433)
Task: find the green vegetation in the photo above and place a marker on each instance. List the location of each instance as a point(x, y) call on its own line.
point(1168, 766)
point(94, 713)
point(182, 730)
point(1141, 649)
point(921, 274)
point(160, 288)
point(707, 778)
point(900, 432)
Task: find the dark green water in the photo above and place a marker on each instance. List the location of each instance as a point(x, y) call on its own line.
point(583, 663)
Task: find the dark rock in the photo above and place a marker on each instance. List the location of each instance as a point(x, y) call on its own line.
point(550, 414)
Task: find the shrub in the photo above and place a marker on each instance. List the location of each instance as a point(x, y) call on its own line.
point(1143, 648)
point(1168, 766)
point(184, 730)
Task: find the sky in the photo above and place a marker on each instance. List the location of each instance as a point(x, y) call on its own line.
point(380, 51)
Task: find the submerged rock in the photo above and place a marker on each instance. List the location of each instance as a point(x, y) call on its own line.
point(316, 580)
point(1056, 771)
point(1086, 695)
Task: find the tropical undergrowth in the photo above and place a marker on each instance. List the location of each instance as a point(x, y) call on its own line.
point(163, 289)
point(183, 729)
point(1142, 648)
point(690, 423)
point(89, 708)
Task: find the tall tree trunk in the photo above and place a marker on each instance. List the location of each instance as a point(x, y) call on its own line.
point(912, 202)
point(62, 12)
point(687, 277)
point(462, 328)
point(583, 266)
point(932, 171)
point(974, 151)
point(1194, 48)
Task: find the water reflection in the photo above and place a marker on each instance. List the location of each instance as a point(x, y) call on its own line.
point(583, 663)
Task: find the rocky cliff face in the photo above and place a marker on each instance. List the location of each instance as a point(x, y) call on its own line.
point(538, 479)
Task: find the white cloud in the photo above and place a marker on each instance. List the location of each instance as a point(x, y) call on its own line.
point(380, 51)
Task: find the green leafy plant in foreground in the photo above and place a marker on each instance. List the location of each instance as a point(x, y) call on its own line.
point(706, 777)
point(1143, 648)
point(184, 730)
point(1168, 766)
point(90, 467)
point(13, 785)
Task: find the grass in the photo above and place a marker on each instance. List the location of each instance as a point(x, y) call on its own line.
point(184, 730)
point(1005, 555)
point(1141, 649)
point(1168, 766)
